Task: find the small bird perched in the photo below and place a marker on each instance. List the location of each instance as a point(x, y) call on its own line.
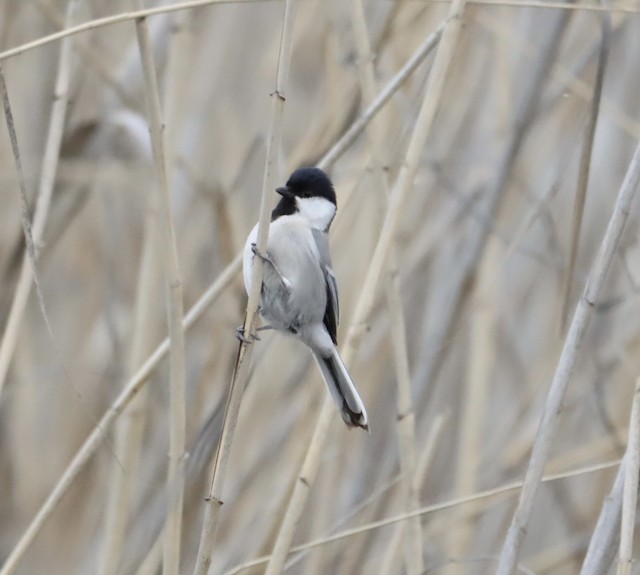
point(299, 294)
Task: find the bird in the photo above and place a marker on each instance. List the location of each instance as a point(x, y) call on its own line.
point(299, 293)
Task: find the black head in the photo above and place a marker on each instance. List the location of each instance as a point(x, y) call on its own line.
point(309, 183)
point(303, 183)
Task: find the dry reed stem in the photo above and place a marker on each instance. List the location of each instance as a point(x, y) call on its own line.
point(241, 372)
point(585, 166)
point(316, 564)
point(133, 15)
point(405, 411)
point(605, 537)
point(549, 4)
point(405, 427)
point(434, 355)
point(388, 564)
point(116, 19)
point(474, 509)
point(22, 186)
point(359, 125)
point(425, 461)
point(553, 407)
point(45, 191)
point(176, 82)
point(426, 510)
point(556, 556)
point(630, 490)
point(403, 184)
point(174, 307)
point(99, 433)
point(481, 362)
point(301, 489)
point(89, 55)
point(503, 72)
point(130, 431)
point(136, 383)
point(151, 563)
point(362, 507)
point(566, 77)
point(368, 86)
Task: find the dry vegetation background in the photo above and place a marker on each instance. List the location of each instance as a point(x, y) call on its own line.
point(474, 320)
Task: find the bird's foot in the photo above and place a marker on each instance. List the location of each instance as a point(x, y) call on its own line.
point(263, 257)
point(243, 338)
point(252, 336)
point(267, 259)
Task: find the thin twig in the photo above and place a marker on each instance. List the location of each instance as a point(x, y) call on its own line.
point(383, 97)
point(606, 535)
point(563, 75)
point(130, 431)
point(425, 461)
point(405, 427)
point(405, 411)
point(90, 55)
point(482, 352)
point(427, 509)
point(117, 19)
point(464, 274)
point(45, 192)
point(240, 375)
point(630, 491)
point(133, 15)
point(585, 166)
point(174, 307)
point(131, 428)
point(359, 323)
point(22, 186)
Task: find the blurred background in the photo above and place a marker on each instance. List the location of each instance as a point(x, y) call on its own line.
point(482, 256)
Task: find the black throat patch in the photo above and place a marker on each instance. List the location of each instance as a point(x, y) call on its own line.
point(285, 207)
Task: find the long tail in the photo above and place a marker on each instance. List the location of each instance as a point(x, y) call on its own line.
point(342, 390)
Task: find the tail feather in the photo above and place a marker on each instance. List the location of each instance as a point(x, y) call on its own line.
point(343, 390)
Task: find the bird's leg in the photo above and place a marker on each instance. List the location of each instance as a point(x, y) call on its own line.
point(267, 259)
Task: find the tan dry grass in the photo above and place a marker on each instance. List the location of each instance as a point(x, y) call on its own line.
point(492, 197)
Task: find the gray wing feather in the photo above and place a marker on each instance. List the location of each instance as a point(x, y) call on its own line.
point(332, 312)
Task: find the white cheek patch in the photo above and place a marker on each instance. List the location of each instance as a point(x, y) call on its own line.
point(317, 211)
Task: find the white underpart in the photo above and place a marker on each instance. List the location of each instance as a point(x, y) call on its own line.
point(317, 211)
point(247, 258)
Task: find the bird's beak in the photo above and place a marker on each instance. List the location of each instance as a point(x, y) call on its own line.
point(283, 191)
